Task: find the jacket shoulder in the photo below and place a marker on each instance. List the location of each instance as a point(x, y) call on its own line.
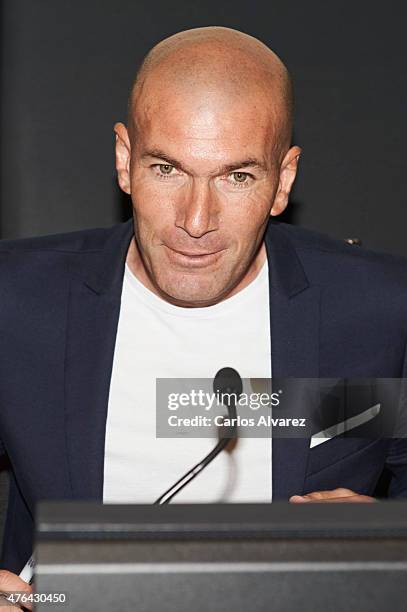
point(325, 247)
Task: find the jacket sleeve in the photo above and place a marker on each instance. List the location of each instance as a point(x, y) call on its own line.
point(396, 460)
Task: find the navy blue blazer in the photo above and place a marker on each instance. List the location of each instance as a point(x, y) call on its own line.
point(336, 310)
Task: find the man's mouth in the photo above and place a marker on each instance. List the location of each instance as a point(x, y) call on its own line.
point(191, 259)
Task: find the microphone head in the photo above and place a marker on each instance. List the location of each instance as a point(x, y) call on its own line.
point(228, 380)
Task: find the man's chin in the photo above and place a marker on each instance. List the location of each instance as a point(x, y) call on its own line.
point(188, 301)
point(189, 297)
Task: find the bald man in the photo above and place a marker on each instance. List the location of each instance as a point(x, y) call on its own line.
point(200, 278)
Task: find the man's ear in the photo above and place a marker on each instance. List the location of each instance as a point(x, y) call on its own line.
point(288, 170)
point(123, 151)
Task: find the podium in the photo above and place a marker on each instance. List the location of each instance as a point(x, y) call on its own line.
point(277, 557)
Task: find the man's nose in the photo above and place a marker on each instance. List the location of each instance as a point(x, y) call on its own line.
point(199, 210)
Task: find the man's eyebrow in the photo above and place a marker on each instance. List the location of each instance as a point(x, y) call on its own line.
point(253, 162)
point(244, 163)
point(161, 155)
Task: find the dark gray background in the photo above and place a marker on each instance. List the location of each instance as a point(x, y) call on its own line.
point(66, 71)
point(66, 68)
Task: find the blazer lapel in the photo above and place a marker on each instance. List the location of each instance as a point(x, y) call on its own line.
point(93, 314)
point(294, 326)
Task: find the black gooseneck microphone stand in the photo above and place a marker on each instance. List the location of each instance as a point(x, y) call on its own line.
point(226, 381)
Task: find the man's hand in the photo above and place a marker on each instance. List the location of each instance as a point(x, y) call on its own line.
point(12, 583)
point(336, 495)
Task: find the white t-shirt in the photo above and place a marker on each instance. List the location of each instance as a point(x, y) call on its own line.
point(156, 339)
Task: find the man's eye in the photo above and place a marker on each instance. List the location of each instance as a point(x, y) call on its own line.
point(165, 168)
point(240, 177)
point(241, 180)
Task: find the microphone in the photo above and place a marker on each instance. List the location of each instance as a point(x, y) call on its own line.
point(226, 383)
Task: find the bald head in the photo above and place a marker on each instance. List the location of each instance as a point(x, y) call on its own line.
point(215, 62)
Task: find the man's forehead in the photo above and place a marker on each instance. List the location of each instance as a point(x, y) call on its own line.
point(202, 124)
point(206, 122)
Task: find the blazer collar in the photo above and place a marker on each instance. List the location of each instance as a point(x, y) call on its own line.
point(287, 275)
point(106, 272)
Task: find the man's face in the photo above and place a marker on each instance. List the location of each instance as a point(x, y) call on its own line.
point(203, 174)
